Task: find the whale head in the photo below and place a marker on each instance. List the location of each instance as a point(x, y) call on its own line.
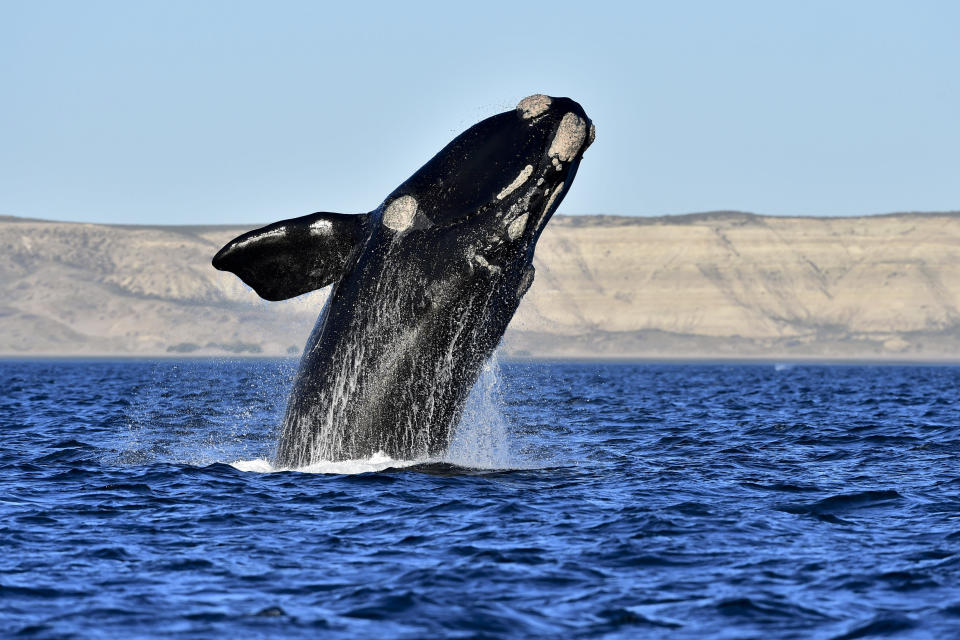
point(508, 170)
point(486, 197)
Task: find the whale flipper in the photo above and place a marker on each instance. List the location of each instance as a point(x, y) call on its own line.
point(292, 257)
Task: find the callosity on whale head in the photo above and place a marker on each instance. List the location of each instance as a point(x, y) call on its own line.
point(424, 285)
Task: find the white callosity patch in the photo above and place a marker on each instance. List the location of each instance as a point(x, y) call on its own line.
point(516, 218)
point(275, 233)
point(321, 227)
point(519, 180)
point(525, 281)
point(481, 261)
point(516, 227)
point(533, 106)
point(591, 136)
point(553, 197)
point(570, 136)
point(399, 215)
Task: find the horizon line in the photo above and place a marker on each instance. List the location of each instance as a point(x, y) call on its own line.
point(686, 217)
point(640, 218)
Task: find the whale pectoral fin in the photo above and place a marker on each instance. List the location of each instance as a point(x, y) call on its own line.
point(292, 257)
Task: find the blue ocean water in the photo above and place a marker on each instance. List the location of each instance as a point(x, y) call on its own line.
point(581, 500)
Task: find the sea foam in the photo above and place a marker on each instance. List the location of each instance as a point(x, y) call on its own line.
point(377, 462)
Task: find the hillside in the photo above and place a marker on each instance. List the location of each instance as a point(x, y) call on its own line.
point(714, 285)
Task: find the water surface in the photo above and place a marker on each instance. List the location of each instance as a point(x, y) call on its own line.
point(582, 500)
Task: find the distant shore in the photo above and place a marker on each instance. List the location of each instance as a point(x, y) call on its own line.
point(686, 360)
point(722, 286)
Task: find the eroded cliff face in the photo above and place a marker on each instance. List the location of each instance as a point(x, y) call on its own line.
point(704, 285)
point(728, 283)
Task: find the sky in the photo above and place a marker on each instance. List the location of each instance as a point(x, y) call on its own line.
point(215, 112)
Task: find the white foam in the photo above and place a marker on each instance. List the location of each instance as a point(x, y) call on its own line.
point(377, 462)
point(257, 466)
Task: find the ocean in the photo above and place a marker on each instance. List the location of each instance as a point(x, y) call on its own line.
point(579, 500)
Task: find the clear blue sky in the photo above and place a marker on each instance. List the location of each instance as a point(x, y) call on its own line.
point(216, 112)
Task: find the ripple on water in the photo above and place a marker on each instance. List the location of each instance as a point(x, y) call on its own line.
point(582, 500)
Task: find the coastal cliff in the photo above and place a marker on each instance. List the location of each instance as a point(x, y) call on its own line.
point(710, 285)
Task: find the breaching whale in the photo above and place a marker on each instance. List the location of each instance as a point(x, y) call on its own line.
point(423, 286)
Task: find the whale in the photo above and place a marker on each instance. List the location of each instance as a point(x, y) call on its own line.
point(423, 286)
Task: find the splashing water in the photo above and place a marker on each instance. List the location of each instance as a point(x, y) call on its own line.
point(157, 430)
point(380, 389)
point(375, 463)
point(481, 441)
